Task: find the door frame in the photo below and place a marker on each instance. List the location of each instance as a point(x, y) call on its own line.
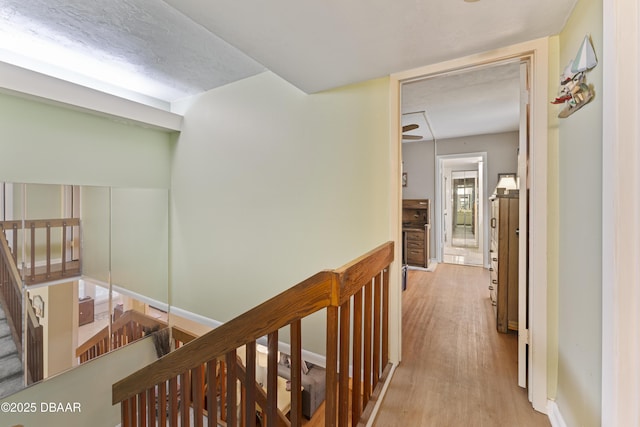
point(620, 212)
point(537, 51)
point(482, 226)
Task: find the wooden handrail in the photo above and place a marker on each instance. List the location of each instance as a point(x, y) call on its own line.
point(12, 298)
point(182, 335)
point(306, 298)
point(39, 223)
point(8, 260)
point(91, 342)
point(354, 275)
point(128, 316)
point(11, 287)
point(364, 281)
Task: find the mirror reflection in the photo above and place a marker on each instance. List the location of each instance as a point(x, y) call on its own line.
point(464, 225)
point(83, 271)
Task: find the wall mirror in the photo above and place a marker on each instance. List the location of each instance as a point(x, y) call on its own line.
point(464, 223)
point(83, 271)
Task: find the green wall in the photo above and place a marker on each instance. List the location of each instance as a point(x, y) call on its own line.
point(580, 234)
point(140, 241)
point(271, 185)
point(87, 387)
point(43, 143)
point(49, 144)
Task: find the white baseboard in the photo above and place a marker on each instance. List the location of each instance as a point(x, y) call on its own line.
point(194, 317)
point(378, 403)
point(150, 301)
point(555, 417)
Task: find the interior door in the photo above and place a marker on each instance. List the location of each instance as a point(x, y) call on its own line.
point(524, 349)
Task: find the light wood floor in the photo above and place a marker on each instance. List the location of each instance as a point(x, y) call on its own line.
point(456, 369)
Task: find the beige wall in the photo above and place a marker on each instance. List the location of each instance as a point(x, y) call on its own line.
point(62, 330)
point(580, 234)
point(271, 185)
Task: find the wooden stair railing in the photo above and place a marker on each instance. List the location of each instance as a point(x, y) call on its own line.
point(11, 298)
point(177, 379)
point(11, 287)
point(127, 328)
point(34, 274)
point(35, 347)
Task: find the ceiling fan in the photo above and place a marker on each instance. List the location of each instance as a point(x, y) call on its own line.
point(407, 128)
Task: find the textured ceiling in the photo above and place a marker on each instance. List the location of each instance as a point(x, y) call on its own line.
point(168, 50)
point(325, 44)
point(476, 102)
point(143, 38)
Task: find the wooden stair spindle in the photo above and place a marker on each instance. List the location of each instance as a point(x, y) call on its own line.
point(212, 393)
point(162, 403)
point(272, 379)
point(343, 375)
point(152, 402)
point(376, 329)
point(197, 387)
point(250, 380)
point(296, 373)
point(331, 396)
point(232, 399)
point(356, 395)
point(195, 371)
point(185, 399)
point(173, 401)
point(368, 356)
point(385, 317)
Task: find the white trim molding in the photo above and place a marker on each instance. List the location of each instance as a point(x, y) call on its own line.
point(194, 317)
point(555, 417)
point(149, 301)
point(32, 85)
point(620, 213)
point(376, 406)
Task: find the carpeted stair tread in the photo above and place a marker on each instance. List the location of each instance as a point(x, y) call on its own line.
point(7, 347)
point(9, 367)
point(11, 385)
point(3, 316)
point(5, 331)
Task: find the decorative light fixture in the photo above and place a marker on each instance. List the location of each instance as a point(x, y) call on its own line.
point(506, 182)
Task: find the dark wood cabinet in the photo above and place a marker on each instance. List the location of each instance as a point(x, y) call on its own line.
point(416, 229)
point(85, 312)
point(503, 251)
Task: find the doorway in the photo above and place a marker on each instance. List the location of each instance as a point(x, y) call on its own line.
point(536, 53)
point(460, 195)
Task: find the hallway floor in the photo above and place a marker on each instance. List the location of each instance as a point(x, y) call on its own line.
point(457, 370)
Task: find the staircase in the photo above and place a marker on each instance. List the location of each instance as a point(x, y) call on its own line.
point(211, 380)
point(11, 372)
